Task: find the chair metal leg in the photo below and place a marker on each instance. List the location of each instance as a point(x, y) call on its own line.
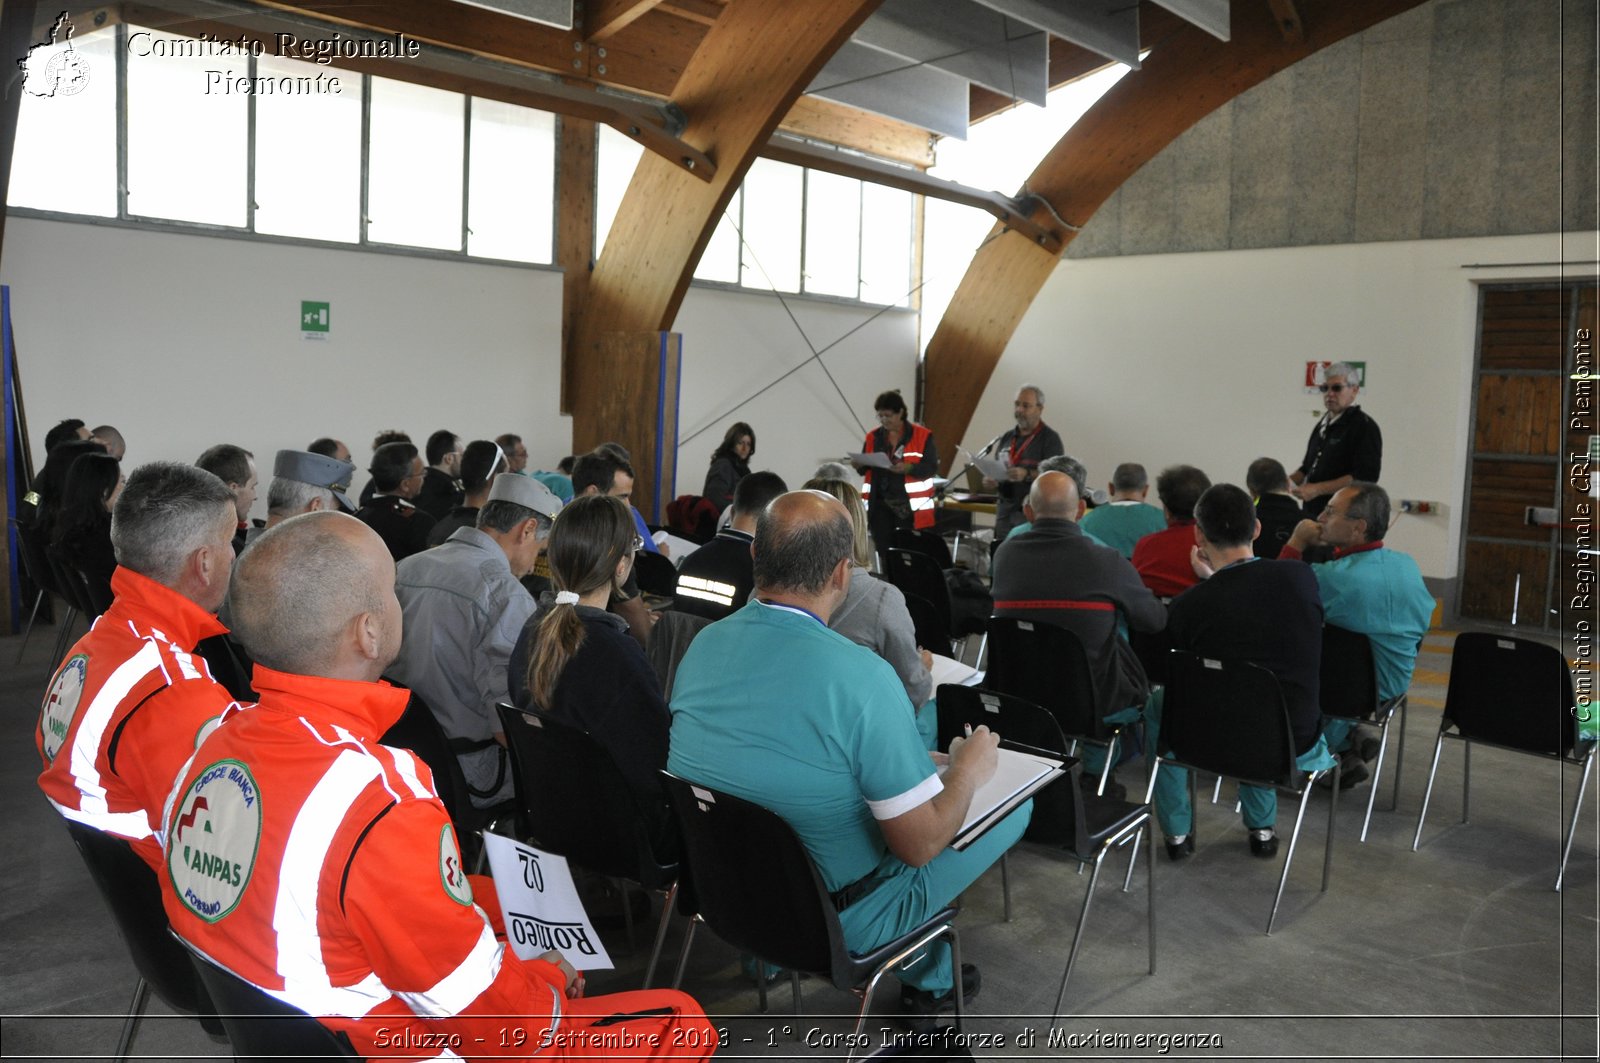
point(1377, 775)
point(661, 934)
point(1216, 791)
point(1150, 892)
point(1288, 859)
point(141, 990)
point(955, 967)
point(38, 600)
point(1005, 883)
point(683, 955)
point(1427, 792)
point(1466, 779)
point(794, 983)
point(1133, 857)
point(1572, 828)
point(1333, 815)
point(63, 640)
point(894, 961)
point(1077, 937)
point(627, 911)
point(1399, 754)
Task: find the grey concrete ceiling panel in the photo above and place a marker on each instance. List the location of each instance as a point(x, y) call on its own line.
point(1209, 15)
point(557, 13)
point(966, 39)
point(1109, 27)
point(885, 84)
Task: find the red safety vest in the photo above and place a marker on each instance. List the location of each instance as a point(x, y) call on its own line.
point(131, 686)
point(319, 865)
point(919, 492)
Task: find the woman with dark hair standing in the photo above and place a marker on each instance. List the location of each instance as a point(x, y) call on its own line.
point(577, 663)
point(900, 496)
point(730, 463)
point(82, 531)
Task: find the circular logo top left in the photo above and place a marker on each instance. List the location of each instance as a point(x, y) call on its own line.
point(61, 704)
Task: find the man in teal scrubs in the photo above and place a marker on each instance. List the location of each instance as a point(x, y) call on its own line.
point(772, 706)
point(1366, 588)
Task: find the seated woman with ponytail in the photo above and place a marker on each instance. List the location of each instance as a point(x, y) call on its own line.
point(576, 663)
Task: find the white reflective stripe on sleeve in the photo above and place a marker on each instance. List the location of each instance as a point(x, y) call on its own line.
point(132, 825)
point(922, 503)
point(709, 590)
point(406, 765)
point(918, 485)
point(294, 916)
point(85, 752)
point(185, 663)
point(456, 991)
point(890, 807)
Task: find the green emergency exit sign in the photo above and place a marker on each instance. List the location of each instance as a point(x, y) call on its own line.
point(313, 317)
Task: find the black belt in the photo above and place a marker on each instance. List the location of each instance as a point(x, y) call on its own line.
point(845, 896)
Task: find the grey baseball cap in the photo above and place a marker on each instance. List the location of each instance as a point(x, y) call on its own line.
point(526, 492)
point(318, 471)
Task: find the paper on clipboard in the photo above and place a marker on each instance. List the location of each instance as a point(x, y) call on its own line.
point(992, 468)
point(875, 460)
point(1017, 777)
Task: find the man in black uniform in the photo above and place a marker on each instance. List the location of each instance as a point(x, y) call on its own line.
point(441, 487)
point(1022, 448)
point(1344, 446)
point(717, 579)
point(396, 477)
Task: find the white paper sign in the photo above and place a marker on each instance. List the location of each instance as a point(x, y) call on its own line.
point(541, 905)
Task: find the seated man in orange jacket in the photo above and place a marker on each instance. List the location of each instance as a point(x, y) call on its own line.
point(319, 865)
point(132, 700)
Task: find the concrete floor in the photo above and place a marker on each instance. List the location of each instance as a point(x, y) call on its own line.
point(1459, 950)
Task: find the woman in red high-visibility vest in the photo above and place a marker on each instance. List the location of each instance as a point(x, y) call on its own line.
point(900, 496)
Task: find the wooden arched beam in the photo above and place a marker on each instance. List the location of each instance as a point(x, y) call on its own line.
point(747, 72)
point(1187, 75)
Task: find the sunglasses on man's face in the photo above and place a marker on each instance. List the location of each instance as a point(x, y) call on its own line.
point(1335, 388)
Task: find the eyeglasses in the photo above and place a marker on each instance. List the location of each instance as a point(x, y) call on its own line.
point(1335, 388)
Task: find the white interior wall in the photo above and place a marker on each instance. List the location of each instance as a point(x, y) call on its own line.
point(735, 343)
point(1198, 358)
point(183, 341)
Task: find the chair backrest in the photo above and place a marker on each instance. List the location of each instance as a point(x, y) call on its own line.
point(33, 557)
point(752, 881)
point(916, 573)
point(1228, 717)
point(418, 730)
point(574, 801)
point(262, 1028)
point(928, 543)
point(1057, 811)
point(70, 583)
point(133, 894)
point(656, 574)
point(932, 629)
point(1511, 692)
point(1349, 680)
point(1047, 665)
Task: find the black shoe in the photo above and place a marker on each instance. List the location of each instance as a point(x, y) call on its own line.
point(1181, 847)
point(1367, 749)
point(1264, 843)
point(1353, 771)
point(915, 1001)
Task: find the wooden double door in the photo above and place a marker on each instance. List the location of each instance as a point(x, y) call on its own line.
point(1528, 550)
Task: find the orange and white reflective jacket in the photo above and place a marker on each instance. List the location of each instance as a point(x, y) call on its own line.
point(919, 483)
point(319, 865)
point(126, 709)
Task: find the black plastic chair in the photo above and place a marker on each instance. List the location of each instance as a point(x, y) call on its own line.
point(418, 730)
point(927, 543)
point(657, 575)
point(753, 883)
point(1230, 717)
point(131, 891)
point(917, 575)
point(38, 572)
point(37, 559)
point(932, 632)
point(1349, 691)
point(602, 828)
point(1085, 828)
point(1047, 665)
point(1517, 695)
point(262, 1028)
